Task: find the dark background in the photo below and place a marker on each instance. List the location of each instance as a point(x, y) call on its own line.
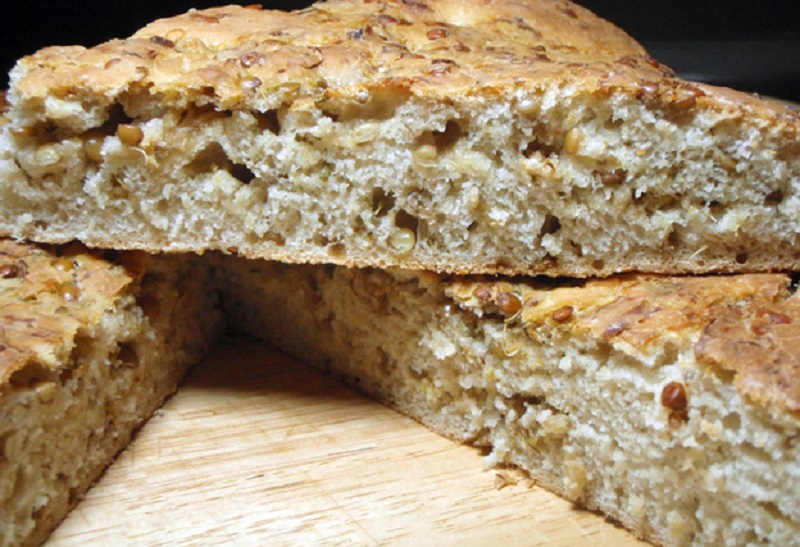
point(753, 46)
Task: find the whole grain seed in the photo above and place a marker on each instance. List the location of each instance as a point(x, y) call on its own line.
point(63, 264)
point(68, 291)
point(437, 33)
point(93, 145)
point(130, 135)
point(23, 131)
point(563, 314)
point(47, 155)
point(425, 152)
point(403, 240)
point(163, 42)
point(673, 397)
point(483, 292)
point(508, 303)
point(572, 141)
point(9, 271)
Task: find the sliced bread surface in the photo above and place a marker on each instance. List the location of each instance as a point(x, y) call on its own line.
point(489, 137)
point(670, 404)
point(90, 346)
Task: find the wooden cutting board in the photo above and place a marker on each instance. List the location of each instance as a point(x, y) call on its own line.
point(256, 448)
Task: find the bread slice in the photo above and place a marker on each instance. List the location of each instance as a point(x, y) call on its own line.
point(89, 348)
point(501, 136)
point(670, 404)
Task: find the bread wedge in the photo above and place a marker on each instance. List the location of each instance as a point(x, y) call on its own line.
point(89, 348)
point(670, 404)
point(504, 136)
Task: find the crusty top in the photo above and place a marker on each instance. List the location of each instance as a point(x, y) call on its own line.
point(236, 57)
point(47, 298)
point(748, 325)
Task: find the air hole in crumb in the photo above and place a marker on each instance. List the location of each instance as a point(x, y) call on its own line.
point(320, 240)
point(773, 510)
point(613, 123)
point(337, 250)
point(73, 496)
point(773, 198)
point(127, 356)
point(382, 202)
point(655, 202)
point(275, 238)
point(149, 304)
point(4, 447)
point(445, 140)
point(202, 115)
point(795, 281)
point(504, 264)
point(37, 513)
point(20, 482)
point(536, 146)
point(741, 258)
point(598, 264)
point(66, 375)
point(268, 121)
point(418, 375)
point(242, 173)
point(732, 422)
point(381, 104)
point(213, 157)
point(668, 356)
point(116, 117)
point(333, 116)
point(405, 220)
point(674, 238)
point(208, 158)
point(550, 225)
point(31, 375)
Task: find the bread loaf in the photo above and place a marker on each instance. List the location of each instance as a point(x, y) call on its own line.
point(669, 404)
point(499, 137)
point(89, 348)
point(505, 136)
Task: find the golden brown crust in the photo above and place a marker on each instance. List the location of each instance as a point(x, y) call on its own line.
point(759, 343)
point(236, 57)
point(748, 325)
point(45, 299)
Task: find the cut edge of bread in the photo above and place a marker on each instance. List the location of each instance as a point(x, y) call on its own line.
point(618, 395)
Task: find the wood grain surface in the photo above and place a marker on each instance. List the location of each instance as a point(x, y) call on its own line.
point(257, 449)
